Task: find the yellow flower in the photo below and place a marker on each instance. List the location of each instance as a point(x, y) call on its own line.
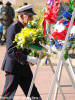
point(39, 25)
point(16, 38)
point(33, 38)
point(29, 35)
point(29, 22)
point(26, 34)
point(32, 31)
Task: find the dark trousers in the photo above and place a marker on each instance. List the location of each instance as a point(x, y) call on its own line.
point(12, 82)
point(1, 35)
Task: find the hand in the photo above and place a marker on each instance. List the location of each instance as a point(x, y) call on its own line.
point(28, 98)
point(32, 59)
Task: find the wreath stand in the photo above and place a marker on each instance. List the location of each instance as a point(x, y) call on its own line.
point(57, 73)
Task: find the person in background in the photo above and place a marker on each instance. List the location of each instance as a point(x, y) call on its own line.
point(1, 19)
point(1, 27)
point(16, 62)
point(1, 7)
point(8, 19)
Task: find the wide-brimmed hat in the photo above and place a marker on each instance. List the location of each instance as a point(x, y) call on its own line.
point(26, 9)
point(8, 3)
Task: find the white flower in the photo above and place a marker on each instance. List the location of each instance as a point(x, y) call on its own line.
point(58, 27)
point(73, 30)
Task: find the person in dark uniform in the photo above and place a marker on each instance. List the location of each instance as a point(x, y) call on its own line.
point(16, 62)
point(8, 19)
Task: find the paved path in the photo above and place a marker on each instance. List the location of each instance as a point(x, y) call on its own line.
point(43, 80)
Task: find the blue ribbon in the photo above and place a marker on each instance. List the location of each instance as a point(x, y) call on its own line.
point(46, 61)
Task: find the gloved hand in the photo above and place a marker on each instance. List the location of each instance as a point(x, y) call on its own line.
point(32, 59)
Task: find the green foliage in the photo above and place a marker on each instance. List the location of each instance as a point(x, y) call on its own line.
point(34, 53)
point(66, 54)
point(71, 6)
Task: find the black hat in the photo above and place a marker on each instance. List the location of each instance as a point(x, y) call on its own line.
point(25, 3)
point(26, 9)
point(8, 3)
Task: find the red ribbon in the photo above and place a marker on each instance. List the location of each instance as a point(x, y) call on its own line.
point(44, 32)
point(59, 35)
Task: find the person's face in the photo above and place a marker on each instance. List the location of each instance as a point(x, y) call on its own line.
point(26, 18)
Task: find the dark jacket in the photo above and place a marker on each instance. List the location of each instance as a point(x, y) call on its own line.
point(14, 59)
point(8, 16)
